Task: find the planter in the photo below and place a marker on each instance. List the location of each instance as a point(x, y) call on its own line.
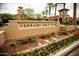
point(50, 48)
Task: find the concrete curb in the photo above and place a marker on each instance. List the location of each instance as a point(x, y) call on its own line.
point(68, 49)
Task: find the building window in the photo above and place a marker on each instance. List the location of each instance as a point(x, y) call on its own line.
point(55, 19)
point(27, 25)
point(46, 19)
point(24, 25)
point(21, 25)
point(30, 25)
point(34, 25)
point(21, 16)
point(60, 19)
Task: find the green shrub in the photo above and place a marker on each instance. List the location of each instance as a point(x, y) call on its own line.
point(32, 39)
point(23, 42)
point(13, 45)
point(72, 39)
point(46, 36)
point(19, 54)
point(64, 33)
point(36, 52)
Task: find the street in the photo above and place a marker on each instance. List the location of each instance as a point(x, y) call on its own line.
point(74, 52)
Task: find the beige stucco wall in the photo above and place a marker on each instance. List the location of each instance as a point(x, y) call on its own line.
point(71, 27)
point(13, 31)
point(2, 37)
point(61, 13)
point(20, 17)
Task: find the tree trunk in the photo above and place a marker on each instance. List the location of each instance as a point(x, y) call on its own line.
point(55, 10)
point(46, 13)
point(49, 12)
point(74, 15)
point(64, 12)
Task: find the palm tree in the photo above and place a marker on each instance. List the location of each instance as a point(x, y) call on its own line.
point(55, 6)
point(74, 15)
point(64, 11)
point(43, 13)
point(29, 12)
point(46, 12)
point(38, 16)
point(55, 9)
point(50, 5)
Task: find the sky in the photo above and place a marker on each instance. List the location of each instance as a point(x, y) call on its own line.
point(38, 7)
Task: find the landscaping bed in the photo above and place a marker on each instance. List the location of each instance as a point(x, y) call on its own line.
point(47, 48)
point(50, 48)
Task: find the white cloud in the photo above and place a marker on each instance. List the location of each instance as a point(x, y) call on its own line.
point(38, 7)
point(12, 7)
